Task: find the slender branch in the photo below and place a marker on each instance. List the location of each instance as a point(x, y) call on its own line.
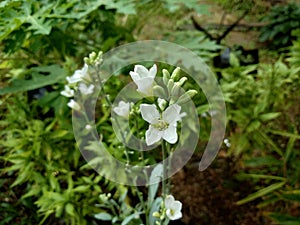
point(230, 28)
point(200, 28)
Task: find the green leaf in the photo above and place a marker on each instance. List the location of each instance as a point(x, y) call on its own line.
point(259, 176)
point(129, 218)
point(39, 25)
point(269, 116)
point(55, 74)
point(285, 219)
point(293, 195)
point(70, 209)
point(103, 216)
point(154, 208)
point(285, 134)
point(154, 180)
point(261, 193)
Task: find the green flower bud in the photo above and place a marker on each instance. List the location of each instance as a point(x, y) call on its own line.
point(182, 81)
point(175, 92)
point(187, 96)
point(192, 93)
point(159, 91)
point(170, 85)
point(94, 59)
point(175, 73)
point(156, 214)
point(166, 76)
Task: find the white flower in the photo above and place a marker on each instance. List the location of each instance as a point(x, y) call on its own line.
point(68, 92)
point(78, 75)
point(74, 105)
point(88, 127)
point(122, 109)
point(227, 143)
point(86, 90)
point(173, 208)
point(143, 78)
point(161, 126)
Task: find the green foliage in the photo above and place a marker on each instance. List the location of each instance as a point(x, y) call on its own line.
point(282, 20)
point(263, 132)
point(196, 42)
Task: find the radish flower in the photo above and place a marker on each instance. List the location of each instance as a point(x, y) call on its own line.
point(68, 92)
point(143, 78)
point(122, 109)
point(74, 105)
point(173, 208)
point(86, 90)
point(162, 126)
point(78, 75)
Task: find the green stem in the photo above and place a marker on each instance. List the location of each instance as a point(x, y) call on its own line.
point(164, 191)
point(110, 105)
point(168, 184)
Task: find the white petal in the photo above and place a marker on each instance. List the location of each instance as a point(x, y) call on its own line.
point(75, 78)
point(149, 113)
point(172, 114)
point(134, 76)
point(173, 215)
point(122, 109)
point(74, 105)
point(168, 201)
point(153, 71)
point(145, 85)
point(141, 70)
point(173, 207)
point(152, 135)
point(68, 92)
point(170, 134)
point(86, 90)
point(176, 206)
point(84, 70)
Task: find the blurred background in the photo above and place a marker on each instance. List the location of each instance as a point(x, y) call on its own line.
point(253, 48)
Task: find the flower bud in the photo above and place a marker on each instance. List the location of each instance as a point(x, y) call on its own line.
point(182, 81)
point(156, 214)
point(175, 73)
point(170, 85)
point(175, 92)
point(187, 96)
point(192, 93)
point(166, 76)
point(159, 91)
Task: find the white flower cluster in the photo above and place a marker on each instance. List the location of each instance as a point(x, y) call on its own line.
point(162, 125)
point(81, 80)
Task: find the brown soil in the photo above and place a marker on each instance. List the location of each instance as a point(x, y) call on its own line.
point(209, 197)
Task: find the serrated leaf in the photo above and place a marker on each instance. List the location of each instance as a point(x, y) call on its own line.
point(55, 75)
point(39, 25)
